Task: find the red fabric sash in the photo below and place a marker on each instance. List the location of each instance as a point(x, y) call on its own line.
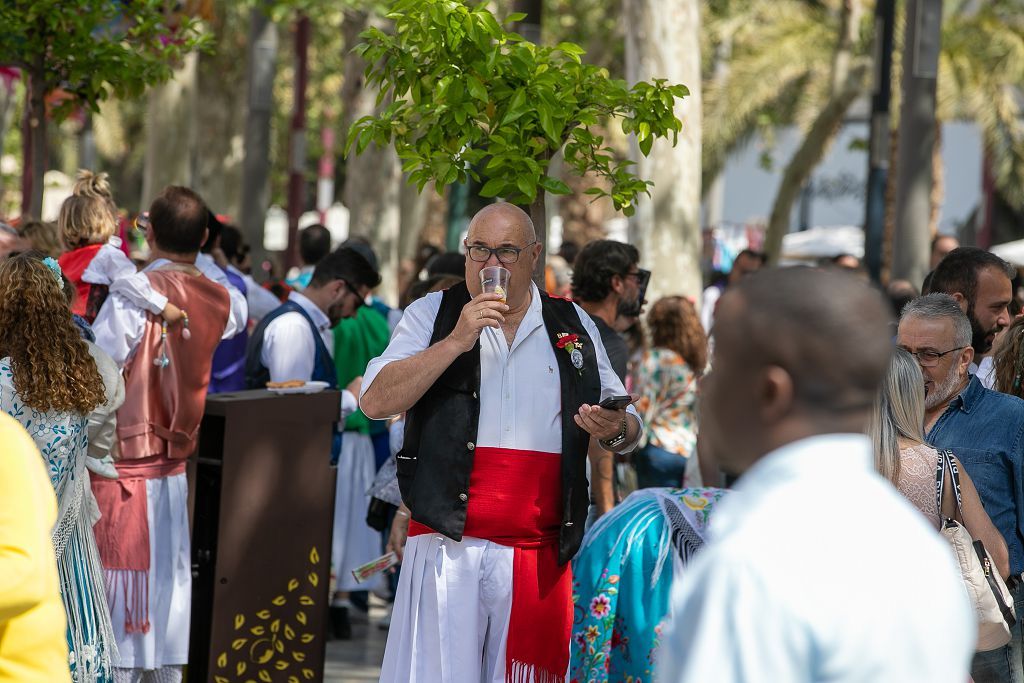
point(515, 500)
point(74, 263)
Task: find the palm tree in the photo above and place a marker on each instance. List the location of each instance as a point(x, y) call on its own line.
point(782, 71)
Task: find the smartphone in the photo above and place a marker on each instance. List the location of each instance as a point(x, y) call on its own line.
point(616, 402)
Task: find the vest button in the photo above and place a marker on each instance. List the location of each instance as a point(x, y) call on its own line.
point(474, 394)
point(463, 497)
point(470, 445)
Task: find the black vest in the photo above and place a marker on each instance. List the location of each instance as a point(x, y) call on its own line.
point(440, 430)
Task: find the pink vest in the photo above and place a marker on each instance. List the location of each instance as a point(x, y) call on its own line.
point(158, 424)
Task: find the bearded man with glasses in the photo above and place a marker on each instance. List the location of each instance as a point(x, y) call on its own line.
point(985, 429)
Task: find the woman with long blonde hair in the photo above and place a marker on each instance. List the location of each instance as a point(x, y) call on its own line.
point(904, 457)
point(50, 383)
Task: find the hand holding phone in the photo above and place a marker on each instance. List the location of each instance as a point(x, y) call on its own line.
point(616, 402)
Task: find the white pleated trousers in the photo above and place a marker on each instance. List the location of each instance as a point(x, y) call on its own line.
point(451, 615)
point(170, 582)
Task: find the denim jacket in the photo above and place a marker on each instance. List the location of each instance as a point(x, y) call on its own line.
point(985, 430)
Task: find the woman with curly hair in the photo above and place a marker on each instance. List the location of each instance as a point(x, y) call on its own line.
point(1008, 363)
point(50, 383)
point(666, 379)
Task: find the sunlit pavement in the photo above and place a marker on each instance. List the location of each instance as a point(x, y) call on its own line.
point(358, 660)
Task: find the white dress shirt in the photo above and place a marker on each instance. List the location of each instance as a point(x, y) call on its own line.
point(289, 348)
point(121, 322)
point(261, 302)
point(818, 570)
point(520, 389)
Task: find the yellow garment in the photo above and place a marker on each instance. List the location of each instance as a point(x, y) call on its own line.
point(33, 638)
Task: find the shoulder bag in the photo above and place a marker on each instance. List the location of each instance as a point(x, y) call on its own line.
point(993, 604)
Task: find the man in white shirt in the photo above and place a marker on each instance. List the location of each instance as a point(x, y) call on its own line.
point(817, 569)
point(746, 262)
point(296, 342)
point(501, 401)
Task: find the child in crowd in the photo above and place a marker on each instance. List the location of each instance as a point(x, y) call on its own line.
point(94, 260)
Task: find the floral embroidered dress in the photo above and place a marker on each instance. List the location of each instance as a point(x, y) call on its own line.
point(622, 578)
point(668, 401)
point(62, 439)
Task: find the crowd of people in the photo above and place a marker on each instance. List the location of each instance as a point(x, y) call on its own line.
point(579, 484)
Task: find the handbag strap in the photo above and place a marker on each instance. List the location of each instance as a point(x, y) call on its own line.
point(947, 461)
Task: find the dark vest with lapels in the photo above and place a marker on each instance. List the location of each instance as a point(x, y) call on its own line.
point(441, 429)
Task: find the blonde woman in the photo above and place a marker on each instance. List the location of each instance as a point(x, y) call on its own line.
point(903, 457)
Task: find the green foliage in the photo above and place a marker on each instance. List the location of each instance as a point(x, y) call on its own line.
point(93, 49)
point(469, 99)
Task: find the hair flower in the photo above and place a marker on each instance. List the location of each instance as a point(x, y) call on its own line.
point(54, 267)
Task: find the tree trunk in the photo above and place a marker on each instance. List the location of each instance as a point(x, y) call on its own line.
point(938, 193)
point(539, 216)
point(414, 215)
point(171, 131)
point(262, 60)
point(807, 156)
point(34, 145)
point(221, 119)
point(373, 178)
point(663, 41)
point(917, 140)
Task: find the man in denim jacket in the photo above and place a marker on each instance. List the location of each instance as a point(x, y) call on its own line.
point(985, 429)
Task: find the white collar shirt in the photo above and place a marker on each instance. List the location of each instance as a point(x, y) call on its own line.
point(818, 570)
point(520, 387)
point(289, 348)
point(121, 321)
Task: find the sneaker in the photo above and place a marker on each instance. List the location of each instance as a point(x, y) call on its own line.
point(103, 467)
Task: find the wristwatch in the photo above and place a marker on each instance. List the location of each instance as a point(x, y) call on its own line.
point(617, 440)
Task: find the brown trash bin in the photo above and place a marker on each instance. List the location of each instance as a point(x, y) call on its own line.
point(261, 542)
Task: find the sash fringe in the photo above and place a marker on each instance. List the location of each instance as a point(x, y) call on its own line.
point(521, 672)
point(135, 586)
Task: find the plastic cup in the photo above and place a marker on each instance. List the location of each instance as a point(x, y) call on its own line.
point(495, 279)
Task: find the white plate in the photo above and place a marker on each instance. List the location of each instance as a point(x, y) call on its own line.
point(307, 388)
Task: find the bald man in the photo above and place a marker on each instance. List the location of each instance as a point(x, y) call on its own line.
point(817, 569)
point(501, 398)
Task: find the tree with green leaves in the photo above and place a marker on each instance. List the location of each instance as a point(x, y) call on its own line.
point(467, 98)
point(90, 50)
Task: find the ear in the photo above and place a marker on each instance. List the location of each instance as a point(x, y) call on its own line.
point(966, 358)
point(775, 394)
point(617, 284)
point(961, 301)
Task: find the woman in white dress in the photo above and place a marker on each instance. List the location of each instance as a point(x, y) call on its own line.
point(50, 383)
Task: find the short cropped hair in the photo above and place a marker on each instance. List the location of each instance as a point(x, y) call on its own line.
point(345, 264)
point(314, 244)
point(179, 217)
point(958, 271)
point(938, 306)
point(595, 266)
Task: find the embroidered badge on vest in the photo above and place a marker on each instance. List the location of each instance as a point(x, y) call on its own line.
point(572, 344)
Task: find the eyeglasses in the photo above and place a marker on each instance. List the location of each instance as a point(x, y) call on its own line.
point(642, 276)
point(141, 221)
point(506, 255)
point(928, 358)
point(352, 290)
